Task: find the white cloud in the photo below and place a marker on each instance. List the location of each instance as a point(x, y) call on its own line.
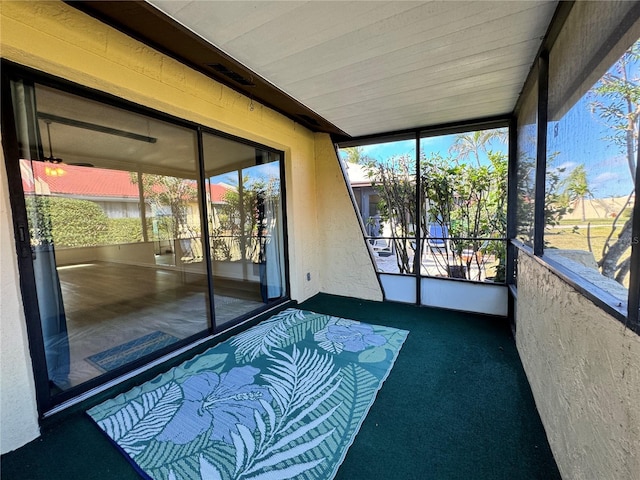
point(605, 177)
point(566, 166)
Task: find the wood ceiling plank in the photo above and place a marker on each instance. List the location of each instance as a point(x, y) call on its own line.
point(354, 61)
point(314, 24)
point(422, 78)
point(446, 90)
point(378, 43)
point(490, 102)
point(223, 21)
point(447, 48)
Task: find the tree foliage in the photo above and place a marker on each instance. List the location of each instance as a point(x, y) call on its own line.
point(240, 222)
point(69, 222)
point(469, 203)
point(357, 155)
point(556, 204)
point(172, 195)
point(475, 143)
point(466, 200)
point(395, 181)
point(123, 230)
point(576, 188)
point(615, 98)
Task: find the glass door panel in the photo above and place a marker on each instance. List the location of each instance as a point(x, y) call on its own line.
point(245, 222)
point(114, 217)
point(263, 181)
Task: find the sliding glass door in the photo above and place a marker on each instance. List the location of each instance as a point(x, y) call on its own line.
point(132, 253)
point(244, 211)
point(103, 188)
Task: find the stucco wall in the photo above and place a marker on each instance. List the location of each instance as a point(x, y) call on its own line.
point(584, 371)
point(57, 39)
point(347, 268)
point(18, 413)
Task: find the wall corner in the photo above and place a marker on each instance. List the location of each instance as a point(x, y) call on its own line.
point(347, 268)
point(18, 410)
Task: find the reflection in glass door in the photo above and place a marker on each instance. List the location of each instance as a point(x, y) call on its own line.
point(112, 201)
point(266, 181)
point(246, 226)
point(122, 267)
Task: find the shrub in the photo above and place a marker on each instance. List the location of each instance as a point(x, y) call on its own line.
point(67, 222)
point(77, 223)
point(123, 230)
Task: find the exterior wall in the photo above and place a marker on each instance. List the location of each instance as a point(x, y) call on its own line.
point(584, 371)
point(140, 253)
point(18, 412)
point(57, 39)
point(347, 267)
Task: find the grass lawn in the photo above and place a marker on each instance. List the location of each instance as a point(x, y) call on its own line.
point(570, 222)
point(576, 238)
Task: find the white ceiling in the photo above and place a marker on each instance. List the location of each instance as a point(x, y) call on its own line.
point(378, 66)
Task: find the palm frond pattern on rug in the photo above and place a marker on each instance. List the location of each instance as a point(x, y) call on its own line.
point(281, 400)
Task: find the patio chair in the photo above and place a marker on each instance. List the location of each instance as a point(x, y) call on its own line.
point(382, 246)
point(438, 239)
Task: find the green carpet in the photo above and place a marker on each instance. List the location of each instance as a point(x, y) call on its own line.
point(456, 405)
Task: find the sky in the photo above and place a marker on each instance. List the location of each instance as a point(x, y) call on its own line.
point(257, 173)
point(580, 138)
point(429, 145)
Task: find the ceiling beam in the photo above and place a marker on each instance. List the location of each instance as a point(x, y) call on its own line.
point(147, 24)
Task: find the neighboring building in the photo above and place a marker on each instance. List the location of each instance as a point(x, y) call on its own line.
point(367, 198)
point(115, 191)
point(112, 190)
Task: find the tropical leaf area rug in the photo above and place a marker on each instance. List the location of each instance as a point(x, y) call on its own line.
point(283, 399)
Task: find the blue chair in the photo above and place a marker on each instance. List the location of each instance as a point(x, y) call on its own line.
point(438, 237)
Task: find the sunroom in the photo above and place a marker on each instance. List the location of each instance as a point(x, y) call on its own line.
point(178, 172)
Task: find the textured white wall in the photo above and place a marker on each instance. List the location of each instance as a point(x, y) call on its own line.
point(584, 371)
point(17, 391)
point(346, 267)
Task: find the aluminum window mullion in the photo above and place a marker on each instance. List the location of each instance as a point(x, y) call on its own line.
point(204, 218)
point(26, 277)
point(541, 154)
point(512, 200)
point(417, 253)
point(633, 313)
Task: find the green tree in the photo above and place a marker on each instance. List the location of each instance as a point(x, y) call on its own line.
point(475, 143)
point(356, 155)
point(616, 100)
point(241, 219)
point(163, 192)
point(576, 187)
point(556, 205)
point(395, 182)
point(469, 202)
